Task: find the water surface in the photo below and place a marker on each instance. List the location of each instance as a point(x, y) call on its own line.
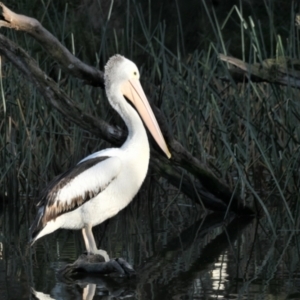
point(178, 254)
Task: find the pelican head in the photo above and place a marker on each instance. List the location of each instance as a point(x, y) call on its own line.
point(122, 78)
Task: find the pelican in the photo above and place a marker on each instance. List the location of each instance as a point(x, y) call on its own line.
point(105, 182)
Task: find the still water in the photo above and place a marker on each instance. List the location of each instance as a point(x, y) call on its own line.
point(177, 253)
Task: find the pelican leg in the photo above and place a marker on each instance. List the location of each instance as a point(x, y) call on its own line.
point(90, 243)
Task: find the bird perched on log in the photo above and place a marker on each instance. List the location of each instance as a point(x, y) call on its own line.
point(105, 182)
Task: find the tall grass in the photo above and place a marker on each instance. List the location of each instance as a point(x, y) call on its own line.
point(247, 133)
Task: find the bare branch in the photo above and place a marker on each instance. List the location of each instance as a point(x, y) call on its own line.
point(56, 97)
point(52, 46)
point(282, 71)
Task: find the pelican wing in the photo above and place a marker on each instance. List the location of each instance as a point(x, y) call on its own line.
point(75, 187)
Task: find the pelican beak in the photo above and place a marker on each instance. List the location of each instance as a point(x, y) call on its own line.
point(133, 90)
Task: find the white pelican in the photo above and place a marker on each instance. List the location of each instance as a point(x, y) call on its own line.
point(103, 183)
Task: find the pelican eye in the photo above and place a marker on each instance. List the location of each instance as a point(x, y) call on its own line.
point(134, 73)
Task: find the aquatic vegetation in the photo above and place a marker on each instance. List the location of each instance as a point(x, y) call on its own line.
point(244, 131)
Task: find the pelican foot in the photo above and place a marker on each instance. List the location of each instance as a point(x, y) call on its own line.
point(103, 253)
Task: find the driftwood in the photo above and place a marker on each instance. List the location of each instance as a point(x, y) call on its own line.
point(206, 188)
point(283, 70)
point(95, 264)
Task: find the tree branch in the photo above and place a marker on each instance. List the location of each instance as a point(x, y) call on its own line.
point(55, 96)
point(283, 71)
point(52, 46)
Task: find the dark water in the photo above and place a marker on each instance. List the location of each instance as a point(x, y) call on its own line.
point(177, 253)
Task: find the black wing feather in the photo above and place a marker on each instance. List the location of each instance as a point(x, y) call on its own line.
point(48, 194)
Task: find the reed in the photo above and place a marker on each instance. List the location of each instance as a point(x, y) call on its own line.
point(247, 133)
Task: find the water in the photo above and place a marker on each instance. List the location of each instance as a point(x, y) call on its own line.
point(179, 254)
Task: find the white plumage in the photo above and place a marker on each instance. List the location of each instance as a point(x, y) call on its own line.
point(103, 183)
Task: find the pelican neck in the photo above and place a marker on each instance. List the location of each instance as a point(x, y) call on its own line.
point(136, 131)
